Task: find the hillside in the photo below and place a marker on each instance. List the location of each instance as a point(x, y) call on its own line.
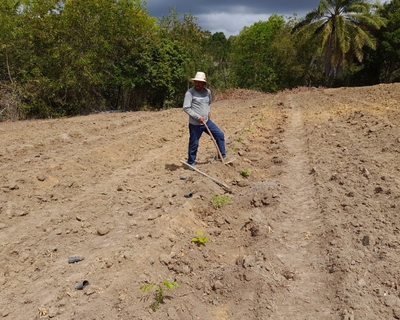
point(311, 233)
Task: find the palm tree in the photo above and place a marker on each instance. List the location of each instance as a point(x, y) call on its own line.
point(343, 29)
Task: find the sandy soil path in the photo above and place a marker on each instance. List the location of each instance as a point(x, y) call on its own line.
point(302, 229)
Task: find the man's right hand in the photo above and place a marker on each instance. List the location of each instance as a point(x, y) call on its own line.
point(202, 120)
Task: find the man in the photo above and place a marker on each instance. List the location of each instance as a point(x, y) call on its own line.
point(197, 106)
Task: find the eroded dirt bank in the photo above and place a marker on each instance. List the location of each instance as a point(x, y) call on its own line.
point(311, 233)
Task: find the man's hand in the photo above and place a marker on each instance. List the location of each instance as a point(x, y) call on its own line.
point(202, 120)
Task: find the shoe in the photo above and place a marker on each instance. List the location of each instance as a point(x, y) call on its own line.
point(191, 166)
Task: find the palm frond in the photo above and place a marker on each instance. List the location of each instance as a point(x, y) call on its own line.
point(342, 28)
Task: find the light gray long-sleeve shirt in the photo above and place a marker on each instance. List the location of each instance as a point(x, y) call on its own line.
point(197, 104)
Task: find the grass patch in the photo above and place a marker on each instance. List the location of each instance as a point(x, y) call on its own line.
point(245, 172)
point(220, 201)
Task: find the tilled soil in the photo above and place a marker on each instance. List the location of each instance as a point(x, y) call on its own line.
point(308, 229)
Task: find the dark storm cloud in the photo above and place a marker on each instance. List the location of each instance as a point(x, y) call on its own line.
point(231, 16)
point(281, 7)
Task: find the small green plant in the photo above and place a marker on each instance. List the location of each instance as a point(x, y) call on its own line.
point(220, 201)
point(249, 129)
point(159, 294)
point(245, 172)
point(238, 139)
point(200, 239)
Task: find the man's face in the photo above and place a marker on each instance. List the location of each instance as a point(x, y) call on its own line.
point(199, 85)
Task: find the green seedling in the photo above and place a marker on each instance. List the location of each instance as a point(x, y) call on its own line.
point(200, 239)
point(238, 139)
point(245, 172)
point(220, 201)
point(159, 294)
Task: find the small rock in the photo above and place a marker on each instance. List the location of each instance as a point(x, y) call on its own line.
point(242, 183)
point(41, 177)
point(185, 269)
point(165, 259)
point(5, 313)
point(378, 189)
point(362, 283)
point(249, 261)
point(392, 301)
point(248, 276)
point(102, 231)
point(365, 241)
point(365, 172)
point(217, 285)
point(152, 215)
point(255, 231)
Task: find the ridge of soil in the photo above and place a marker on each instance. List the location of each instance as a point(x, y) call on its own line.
point(311, 233)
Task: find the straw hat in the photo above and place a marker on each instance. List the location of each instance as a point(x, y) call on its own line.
point(200, 76)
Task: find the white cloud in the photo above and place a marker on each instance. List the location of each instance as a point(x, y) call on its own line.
point(229, 23)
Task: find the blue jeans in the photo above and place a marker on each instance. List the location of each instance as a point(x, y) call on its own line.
point(195, 134)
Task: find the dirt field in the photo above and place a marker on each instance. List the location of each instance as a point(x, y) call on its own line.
point(312, 232)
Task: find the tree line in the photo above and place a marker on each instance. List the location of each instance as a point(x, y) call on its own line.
point(69, 57)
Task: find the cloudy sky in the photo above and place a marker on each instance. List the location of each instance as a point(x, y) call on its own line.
point(230, 16)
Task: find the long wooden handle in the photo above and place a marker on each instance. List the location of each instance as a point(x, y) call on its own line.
point(215, 143)
point(205, 174)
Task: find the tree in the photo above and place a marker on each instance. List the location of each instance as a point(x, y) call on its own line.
point(390, 41)
point(254, 58)
point(185, 32)
point(9, 27)
point(342, 28)
point(216, 49)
